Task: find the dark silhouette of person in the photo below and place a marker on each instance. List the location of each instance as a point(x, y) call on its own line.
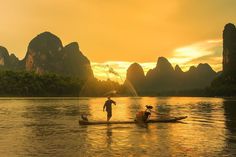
point(108, 106)
point(143, 116)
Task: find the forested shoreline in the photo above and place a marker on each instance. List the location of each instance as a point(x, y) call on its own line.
point(30, 84)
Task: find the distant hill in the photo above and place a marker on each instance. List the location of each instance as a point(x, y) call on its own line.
point(46, 54)
point(8, 62)
point(229, 50)
point(225, 83)
point(166, 78)
point(135, 77)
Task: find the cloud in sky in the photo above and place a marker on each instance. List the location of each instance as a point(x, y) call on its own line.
point(209, 51)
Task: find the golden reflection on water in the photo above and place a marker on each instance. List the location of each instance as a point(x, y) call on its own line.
point(205, 125)
point(50, 127)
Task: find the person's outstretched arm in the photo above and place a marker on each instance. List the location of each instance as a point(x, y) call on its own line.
point(154, 112)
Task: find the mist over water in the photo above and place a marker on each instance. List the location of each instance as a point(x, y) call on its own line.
point(49, 127)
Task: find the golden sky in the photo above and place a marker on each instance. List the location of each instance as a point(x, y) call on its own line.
point(185, 31)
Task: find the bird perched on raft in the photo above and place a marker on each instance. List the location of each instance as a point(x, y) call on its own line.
point(84, 117)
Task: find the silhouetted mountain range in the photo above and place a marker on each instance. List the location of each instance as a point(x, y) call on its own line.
point(165, 78)
point(46, 54)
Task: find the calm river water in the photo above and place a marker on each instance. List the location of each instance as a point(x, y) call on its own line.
point(49, 127)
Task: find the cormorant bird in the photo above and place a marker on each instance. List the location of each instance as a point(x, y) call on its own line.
point(84, 117)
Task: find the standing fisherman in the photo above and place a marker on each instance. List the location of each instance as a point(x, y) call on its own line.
point(108, 106)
